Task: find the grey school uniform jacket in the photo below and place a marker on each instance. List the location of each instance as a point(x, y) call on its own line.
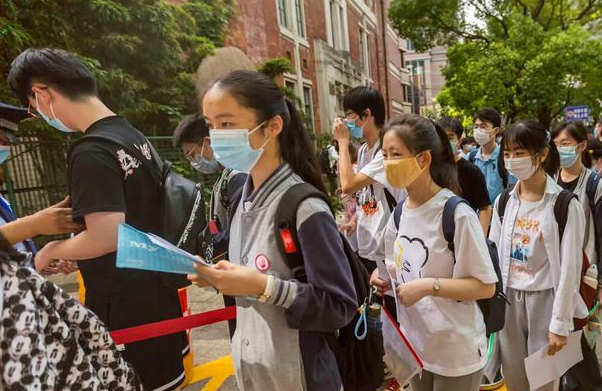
point(280, 345)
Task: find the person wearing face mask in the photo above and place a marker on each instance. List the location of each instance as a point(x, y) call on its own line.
point(436, 288)
point(192, 137)
point(487, 157)
point(541, 266)
point(571, 140)
point(471, 180)
point(109, 185)
point(594, 150)
point(282, 322)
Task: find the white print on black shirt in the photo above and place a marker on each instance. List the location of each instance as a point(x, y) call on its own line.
point(145, 150)
point(128, 163)
point(410, 269)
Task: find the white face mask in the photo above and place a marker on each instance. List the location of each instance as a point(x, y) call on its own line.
point(520, 167)
point(482, 136)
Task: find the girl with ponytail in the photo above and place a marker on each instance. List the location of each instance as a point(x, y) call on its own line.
point(282, 322)
point(436, 289)
point(540, 265)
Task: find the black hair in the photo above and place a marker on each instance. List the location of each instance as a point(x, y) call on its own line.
point(358, 99)
point(490, 115)
point(260, 93)
point(420, 134)
point(465, 141)
point(59, 69)
point(532, 136)
point(453, 124)
point(576, 129)
point(191, 129)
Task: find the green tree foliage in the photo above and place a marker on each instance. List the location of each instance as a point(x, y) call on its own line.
point(529, 58)
point(143, 52)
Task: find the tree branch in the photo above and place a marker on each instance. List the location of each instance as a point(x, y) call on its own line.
point(457, 31)
point(588, 7)
point(491, 15)
point(523, 5)
point(538, 9)
point(549, 22)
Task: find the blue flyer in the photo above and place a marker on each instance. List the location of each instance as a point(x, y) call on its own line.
point(146, 251)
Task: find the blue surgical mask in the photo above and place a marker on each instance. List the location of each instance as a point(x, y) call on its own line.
point(54, 122)
point(354, 130)
point(232, 149)
point(471, 148)
point(568, 156)
point(205, 166)
point(454, 148)
point(4, 153)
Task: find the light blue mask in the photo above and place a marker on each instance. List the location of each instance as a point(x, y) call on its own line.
point(568, 156)
point(454, 148)
point(205, 166)
point(4, 153)
point(54, 122)
point(232, 149)
point(354, 130)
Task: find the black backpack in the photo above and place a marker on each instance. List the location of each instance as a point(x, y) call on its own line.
point(359, 361)
point(494, 308)
point(324, 158)
point(182, 205)
point(501, 168)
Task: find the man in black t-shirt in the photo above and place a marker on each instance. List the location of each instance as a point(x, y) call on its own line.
point(109, 185)
point(473, 187)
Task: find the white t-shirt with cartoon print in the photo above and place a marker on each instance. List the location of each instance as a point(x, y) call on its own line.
point(448, 335)
point(529, 264)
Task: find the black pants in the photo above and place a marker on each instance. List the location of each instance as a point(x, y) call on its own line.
point(230, 301)
point(585, 375)
point(389, 302)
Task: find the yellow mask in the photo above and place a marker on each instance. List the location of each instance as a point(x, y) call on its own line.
point(402, 172)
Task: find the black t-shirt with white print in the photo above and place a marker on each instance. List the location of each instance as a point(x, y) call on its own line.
point(106, 177)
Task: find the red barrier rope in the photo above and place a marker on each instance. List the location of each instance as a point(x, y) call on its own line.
point(171, 326)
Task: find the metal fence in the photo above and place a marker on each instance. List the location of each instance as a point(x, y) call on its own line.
point(35, 176)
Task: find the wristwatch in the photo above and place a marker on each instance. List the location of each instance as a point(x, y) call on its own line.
point(436, 286)
point(268, 291)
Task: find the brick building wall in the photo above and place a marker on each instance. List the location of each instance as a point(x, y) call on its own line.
point(334, 45)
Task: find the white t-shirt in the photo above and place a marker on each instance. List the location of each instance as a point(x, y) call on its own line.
point(449, 336)
point(373, 210)
point(529, 264)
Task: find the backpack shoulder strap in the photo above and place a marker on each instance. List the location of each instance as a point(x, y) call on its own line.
point(503, 201)
point(591, 188)
point(397, 213)
point(472, 156)
point(236, 197)
point(448, 221)
point(391, 201)
point(501, 169)
point(561, 209)
point(286, 225)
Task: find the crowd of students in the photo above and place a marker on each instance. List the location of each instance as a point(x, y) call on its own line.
point(407, 172)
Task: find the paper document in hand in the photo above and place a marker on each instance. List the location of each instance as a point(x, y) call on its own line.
point(542, 368)
point(146, 251)
point(400, 357)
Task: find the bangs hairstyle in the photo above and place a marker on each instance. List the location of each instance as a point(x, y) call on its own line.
point(534, 137)
point(419, 135)
point(577, 131)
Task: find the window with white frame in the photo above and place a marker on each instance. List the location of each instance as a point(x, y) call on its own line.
point(337, 16)
point(300, 18)
point(309, 117)
point(364, 51)
point(283, 13)
point(291, 16)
